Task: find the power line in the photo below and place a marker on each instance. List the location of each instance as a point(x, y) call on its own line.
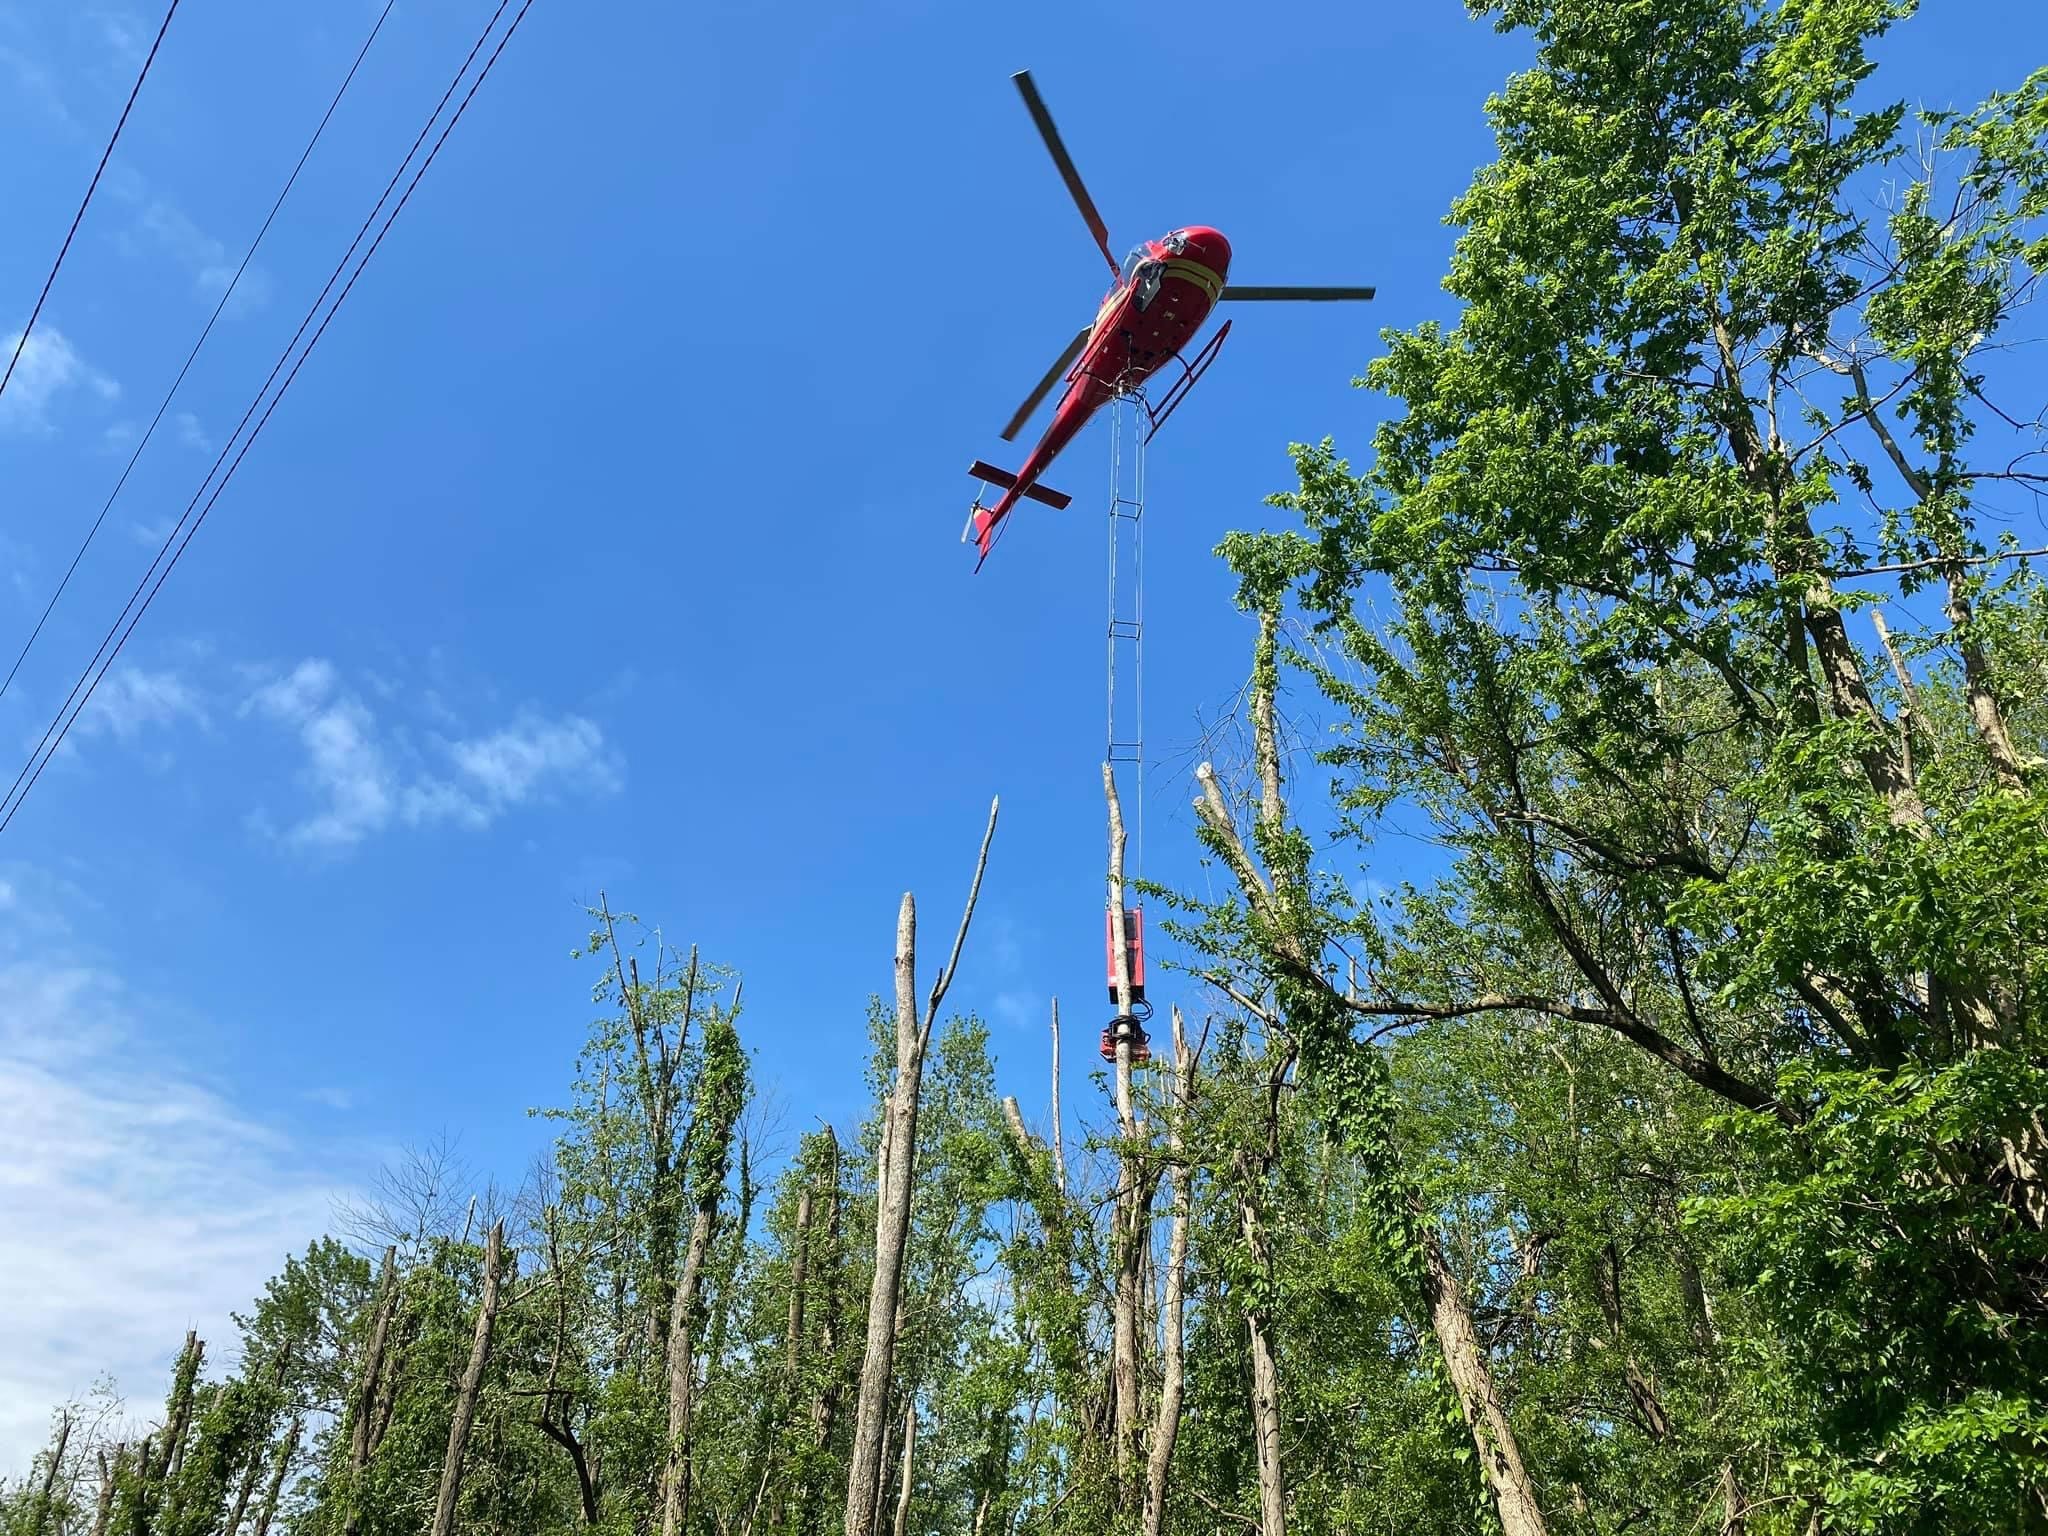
point(19, 794)
point(91, 187)
point(228, 447)
point(190, 357)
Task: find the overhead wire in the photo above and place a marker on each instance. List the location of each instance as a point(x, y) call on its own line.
point(40, 758)
point(192, 356)
point(92, 186)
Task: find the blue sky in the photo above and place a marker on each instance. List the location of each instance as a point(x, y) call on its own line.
point(609, 542)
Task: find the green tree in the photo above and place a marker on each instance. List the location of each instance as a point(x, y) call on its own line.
point(1602, 609)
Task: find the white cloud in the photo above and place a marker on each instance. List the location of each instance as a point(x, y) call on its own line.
point(190, 433)
point(1019, 1009)
point(345, 766)
point(124, 34)
point(36, 84)
point(138, 1202)
point(511, 765)
point(209, 261)
point(49, 367)
point(129, 700)
point(298, 692)
point(177, 234)
point(365, 780)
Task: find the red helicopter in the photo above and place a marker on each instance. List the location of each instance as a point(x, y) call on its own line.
point(1162, 293)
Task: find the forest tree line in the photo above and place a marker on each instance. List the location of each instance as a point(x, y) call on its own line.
point(1674, 1161)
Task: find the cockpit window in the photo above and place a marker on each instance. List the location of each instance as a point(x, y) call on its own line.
point(1140, 254)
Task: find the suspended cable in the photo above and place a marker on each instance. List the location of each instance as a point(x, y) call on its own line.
point(19, 794)
point(192, 356)
point(228, 447)
point(91, 187)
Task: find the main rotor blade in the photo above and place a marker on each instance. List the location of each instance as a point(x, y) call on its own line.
point(1052, 377)
point(1035, 104)
point(1309, 294)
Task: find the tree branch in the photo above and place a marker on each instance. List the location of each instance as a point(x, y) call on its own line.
point(945, 977)
point(1933, 561)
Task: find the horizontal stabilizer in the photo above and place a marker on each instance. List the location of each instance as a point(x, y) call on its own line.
point(1058, 500)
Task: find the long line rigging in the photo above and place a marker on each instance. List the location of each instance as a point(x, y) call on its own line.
point(206, 331)
point(40, 758)
point(1130, 426)
point(1126, 629)
point(92, 186)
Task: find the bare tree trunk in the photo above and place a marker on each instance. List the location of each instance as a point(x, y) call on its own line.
point(472, 1384)
point(189, 1361)
point(892, 1226)
point(1500, 1455)
point(909, 1463)
point(1059, 1151)
point(1166, 1428)
point(1295, 951)
point(1266, 1425)
point(109, 1476)
point(363, 1433)
point(721, 1096)
point(1734, 1505)
point(799, 1263)
point(1132, 1224)
point(41, 1516)
point(139, 1510)
point(825, 1402)
point(893, 1195)
point(285, 1450)
point(682, 1376)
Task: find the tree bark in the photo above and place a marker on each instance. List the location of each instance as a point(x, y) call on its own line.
point(472, 1385)
point(139, 1510)
point(1132, 1225)
point(41, 1515)
point(1500, 1455)
point(721, 1095)
point(109, 1476)
point(892, 1226)
point(1059, 1151)
point(893, 1199)
point(1266, 1426)
point(285, 1450)
point(1252, 1170)
point(1734, 1504)
point(682, 1376)
point(1292, 949)
point(189, 1361)
point(361, 1437)
point(902, 1527)
point(586, 1487)
point(363, 1434)
point(825, 1401)
point(1173, 1370)
point(799, 1263)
